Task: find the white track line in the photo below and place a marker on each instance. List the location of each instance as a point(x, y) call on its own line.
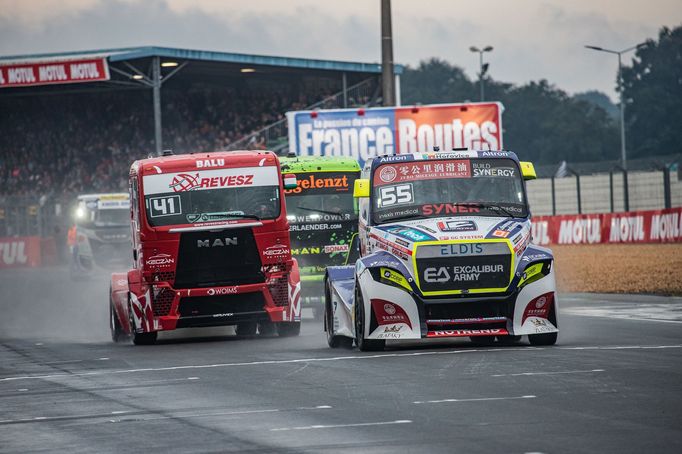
point(549, 373)
point(314, 360)
point(479, 399)
point(623, 317)
point(336, 426)
point(126, 416)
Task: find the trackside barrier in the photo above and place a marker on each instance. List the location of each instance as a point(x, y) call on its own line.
point(20, 252)
point(652, 226)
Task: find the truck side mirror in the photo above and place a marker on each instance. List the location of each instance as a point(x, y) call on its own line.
point(289, 181)
point(527, 170)
point(361, 188)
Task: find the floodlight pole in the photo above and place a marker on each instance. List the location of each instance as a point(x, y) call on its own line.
point(156, 89)
point(480, 65)
point(623, 153)
point(387, 77)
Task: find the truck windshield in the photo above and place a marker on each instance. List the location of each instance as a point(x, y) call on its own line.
point(321, 197)
point(436, 188)
point(90, 215)
point(210, 196)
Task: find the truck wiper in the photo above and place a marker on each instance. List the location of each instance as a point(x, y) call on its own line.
point(319, 211)
point(224, 215)
point(489, 205)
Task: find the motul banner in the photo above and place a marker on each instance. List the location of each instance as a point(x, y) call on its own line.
point(654, 226)
point(366, 133)
point(20, 252)
point(53, 72)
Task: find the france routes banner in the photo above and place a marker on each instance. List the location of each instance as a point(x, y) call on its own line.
point(53, 72)
point(377, 131)
point(653, 226)
point(20, 252)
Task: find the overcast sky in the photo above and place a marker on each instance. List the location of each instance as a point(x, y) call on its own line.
point(533, 39)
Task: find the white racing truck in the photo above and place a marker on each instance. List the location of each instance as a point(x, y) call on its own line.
point(444, 252)
point(102, 233)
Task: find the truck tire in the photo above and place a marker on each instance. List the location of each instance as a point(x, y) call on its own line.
point(333, 340)
point(246, 329)
point(117, 333)
point(267, 328)
point(145, 338)
point(365, 345)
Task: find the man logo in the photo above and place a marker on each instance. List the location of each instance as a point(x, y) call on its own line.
point(218, 242)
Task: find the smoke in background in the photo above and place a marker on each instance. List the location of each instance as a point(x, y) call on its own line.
point(46, 304)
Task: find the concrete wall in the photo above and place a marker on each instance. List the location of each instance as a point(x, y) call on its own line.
point(645, 189)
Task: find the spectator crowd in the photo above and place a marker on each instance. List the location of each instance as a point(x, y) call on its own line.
point(64, 144)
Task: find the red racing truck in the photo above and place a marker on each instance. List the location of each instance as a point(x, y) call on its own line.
point(211, 247)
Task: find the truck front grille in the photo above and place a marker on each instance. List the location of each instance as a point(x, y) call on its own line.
point(218, 258)
point(441, 268)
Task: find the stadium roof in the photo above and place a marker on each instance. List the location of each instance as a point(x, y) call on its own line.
point(134, 53)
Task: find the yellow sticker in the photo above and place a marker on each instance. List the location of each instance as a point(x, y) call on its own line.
point(394, 277)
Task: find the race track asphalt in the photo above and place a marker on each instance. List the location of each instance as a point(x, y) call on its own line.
point(613, 383)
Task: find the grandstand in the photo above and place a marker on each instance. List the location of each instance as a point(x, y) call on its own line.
point(58, 137)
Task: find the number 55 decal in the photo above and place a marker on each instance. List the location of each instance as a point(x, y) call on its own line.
point(395, 195)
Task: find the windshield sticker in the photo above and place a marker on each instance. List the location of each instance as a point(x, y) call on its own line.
point(210, 179)
point(164, 206)
point(321, 183)
point(492, 168)
point(207, 217)
point(399, 194)
point(423, 170)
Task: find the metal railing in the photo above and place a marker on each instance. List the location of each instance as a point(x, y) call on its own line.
point(275, 136)
point(578, 189)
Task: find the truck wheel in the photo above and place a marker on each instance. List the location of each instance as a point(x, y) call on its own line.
point(289, 329)
point(547, 338)
point(139, 338)
point(333, 340)
point(365, 345)
point(117, 334)
point(267, 329)
point(246, 329)
point(145, 338)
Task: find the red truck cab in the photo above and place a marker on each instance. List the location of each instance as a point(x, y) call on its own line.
point(211, 247)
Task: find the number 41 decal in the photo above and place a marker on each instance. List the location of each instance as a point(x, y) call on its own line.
point(165, 206)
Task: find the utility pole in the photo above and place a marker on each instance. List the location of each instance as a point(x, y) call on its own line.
point(387, 77)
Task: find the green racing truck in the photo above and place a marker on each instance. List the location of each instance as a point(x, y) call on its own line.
point(323, 219)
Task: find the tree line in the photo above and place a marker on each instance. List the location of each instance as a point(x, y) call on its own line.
point(545, 124)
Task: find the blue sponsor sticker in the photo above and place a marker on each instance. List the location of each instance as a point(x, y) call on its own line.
point(409, 233)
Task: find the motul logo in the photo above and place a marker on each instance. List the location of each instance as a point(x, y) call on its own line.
point(218, 242)
point(13, 252)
